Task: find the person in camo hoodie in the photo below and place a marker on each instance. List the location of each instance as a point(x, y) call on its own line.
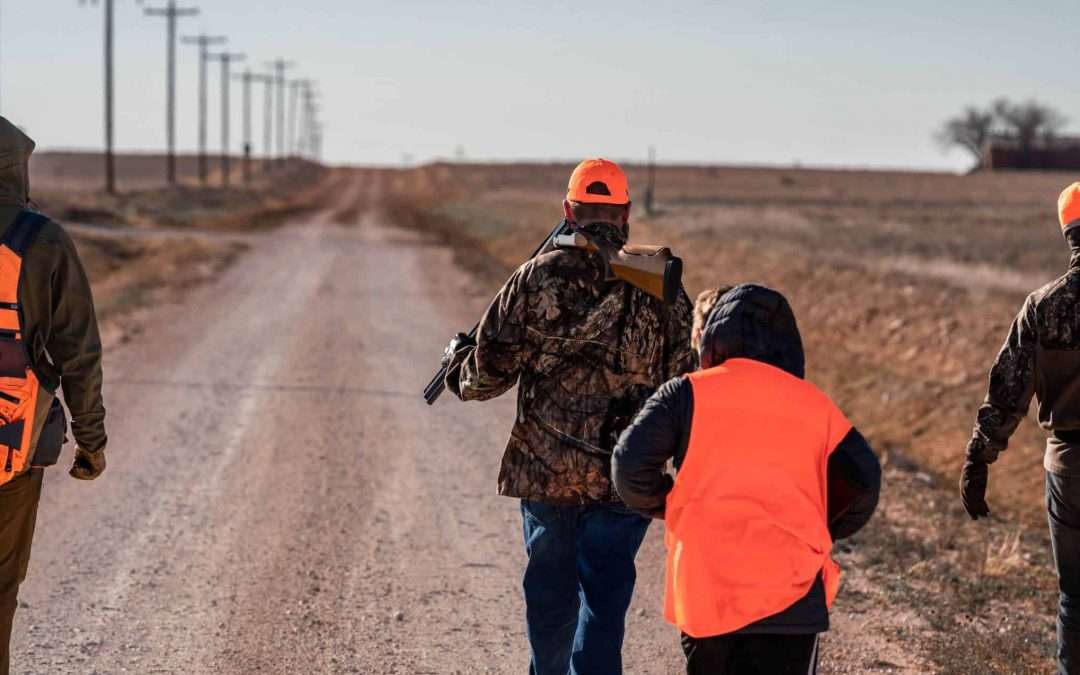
point(1041, 358)
point(585, 353)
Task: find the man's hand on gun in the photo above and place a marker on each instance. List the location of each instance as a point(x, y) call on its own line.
point(458, 342)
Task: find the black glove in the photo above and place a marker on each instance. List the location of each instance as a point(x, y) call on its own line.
point(458, 342)
point(973, 488)
point(88, 465)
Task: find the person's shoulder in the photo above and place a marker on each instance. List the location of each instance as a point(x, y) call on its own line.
point(50, 247)
point(52, 239)
point(1065, 290)
point(674, 387)
point(52, 233)
point(560, 264)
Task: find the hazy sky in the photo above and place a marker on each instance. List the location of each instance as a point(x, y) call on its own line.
point(853, 83)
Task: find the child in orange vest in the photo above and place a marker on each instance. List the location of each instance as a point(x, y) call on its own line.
point(769, 473)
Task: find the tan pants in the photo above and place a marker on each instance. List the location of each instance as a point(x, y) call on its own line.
point(18, 512)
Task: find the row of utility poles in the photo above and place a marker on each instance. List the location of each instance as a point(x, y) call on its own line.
point(301, 137)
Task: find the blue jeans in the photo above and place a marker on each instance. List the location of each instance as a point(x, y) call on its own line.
point(1063, 507)
point(578, 584)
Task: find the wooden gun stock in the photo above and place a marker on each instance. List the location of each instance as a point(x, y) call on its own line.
point(653, 269)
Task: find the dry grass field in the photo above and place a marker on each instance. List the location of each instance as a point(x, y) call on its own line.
point(905, 285)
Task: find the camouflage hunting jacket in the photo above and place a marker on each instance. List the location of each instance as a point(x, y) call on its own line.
point(1041, 358)
point(586, 353)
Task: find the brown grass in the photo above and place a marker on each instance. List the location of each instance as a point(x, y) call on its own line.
point(904, 285)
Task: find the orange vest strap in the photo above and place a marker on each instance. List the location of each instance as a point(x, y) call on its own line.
point(19, 385)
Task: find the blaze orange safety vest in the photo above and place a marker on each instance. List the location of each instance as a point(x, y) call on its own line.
point(19, 385)
point(747, 521)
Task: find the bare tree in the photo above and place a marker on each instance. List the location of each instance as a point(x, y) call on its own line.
point(970, 131)
point(1029, 122)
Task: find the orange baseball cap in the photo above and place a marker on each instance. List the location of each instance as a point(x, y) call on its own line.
point(598, 181)
point(1069, 207)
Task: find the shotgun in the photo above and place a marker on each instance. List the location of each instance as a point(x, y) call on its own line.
point(653, 269)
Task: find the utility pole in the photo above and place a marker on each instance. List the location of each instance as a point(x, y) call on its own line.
point(110, 162)
point(294, 99)
point(226, 58)
point(650, 187)
point(299, 86)
point(171, 13)
point(204, 43)
point(307, 111)
point(311, 119)
point(268, 121)
point(248, 77)
point(279, 67)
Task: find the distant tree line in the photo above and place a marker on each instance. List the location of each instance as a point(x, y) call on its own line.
point(1026, 126)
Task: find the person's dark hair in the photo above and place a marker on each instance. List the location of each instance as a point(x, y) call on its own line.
point(591, 213)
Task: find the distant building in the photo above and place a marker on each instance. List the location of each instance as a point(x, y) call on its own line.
point(1059, 154)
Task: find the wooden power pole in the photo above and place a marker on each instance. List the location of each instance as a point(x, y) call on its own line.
point(248, 77)
point(204, 42)
point(171, 13)
point(279, 67)
point(226, 59)
point(110, 161)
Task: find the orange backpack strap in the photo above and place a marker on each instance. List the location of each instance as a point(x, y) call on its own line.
point(23, 231)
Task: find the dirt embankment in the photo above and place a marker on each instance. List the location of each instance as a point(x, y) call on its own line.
point(905, 285)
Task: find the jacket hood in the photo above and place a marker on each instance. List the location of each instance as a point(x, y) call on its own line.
point(753, 322)
point(15, 150)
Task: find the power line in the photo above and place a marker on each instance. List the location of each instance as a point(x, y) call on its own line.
point(204, 43)
point(171, 13)
point(226, 59)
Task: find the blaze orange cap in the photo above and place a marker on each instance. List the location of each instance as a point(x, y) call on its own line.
point(598, 181)
point(1069, 207)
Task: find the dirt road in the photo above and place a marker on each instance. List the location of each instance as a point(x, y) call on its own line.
point(279, 499)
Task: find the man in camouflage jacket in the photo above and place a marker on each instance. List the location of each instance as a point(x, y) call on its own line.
point(586, 353)
point(1041, 358)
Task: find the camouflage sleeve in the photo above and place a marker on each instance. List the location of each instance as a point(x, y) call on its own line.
point(681, 358)
point(502, 345)
point(1012, 384)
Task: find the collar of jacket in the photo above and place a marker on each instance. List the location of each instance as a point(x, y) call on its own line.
point(613, 235)
point(1072, 237)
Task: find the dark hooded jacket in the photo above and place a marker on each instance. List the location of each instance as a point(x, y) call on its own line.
point(58, 309)
point(750, 322)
